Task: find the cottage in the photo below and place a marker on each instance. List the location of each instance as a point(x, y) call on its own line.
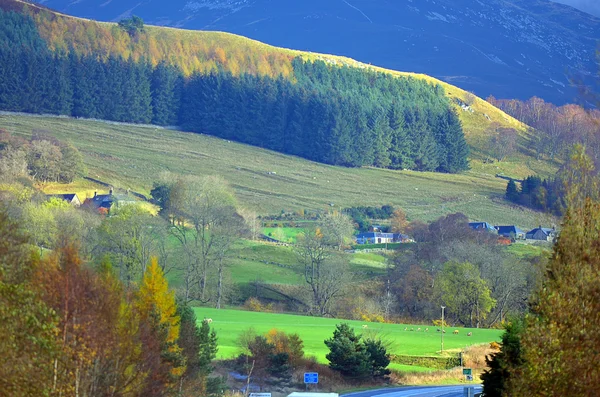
point(541, 234)
point(482, 226)
point(381, 238)
point(70, 198)
point(105, 202)
point(511, 232)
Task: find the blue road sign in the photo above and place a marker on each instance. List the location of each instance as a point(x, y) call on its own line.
point(311, 377)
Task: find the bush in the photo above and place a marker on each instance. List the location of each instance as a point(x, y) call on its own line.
point(255, 305)
point(427, 361)
point(289, 344)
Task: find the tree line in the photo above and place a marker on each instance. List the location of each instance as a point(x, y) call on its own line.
point(550, 195)
point(551, 351)
point(76, 330)
point(555, 129)
point(331, 114)
point(479, 282)
point(545, 195)
point(43, 157)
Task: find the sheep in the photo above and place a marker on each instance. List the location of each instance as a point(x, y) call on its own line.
point(470, 334)
point(208, 320)
point(406, 328)
point(426, 329)
point(455, 332)
point(412, 329)
point(365, 326)
point(418, 329)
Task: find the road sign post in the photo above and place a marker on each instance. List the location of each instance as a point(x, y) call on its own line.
point(311, 378)
point(468, 373)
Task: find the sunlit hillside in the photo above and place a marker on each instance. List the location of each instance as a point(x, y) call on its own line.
point(201, 51)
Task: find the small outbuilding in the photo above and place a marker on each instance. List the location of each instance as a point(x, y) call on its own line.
point(512, 232)
point(541, 234)
point(482, 227)
point(70, 198)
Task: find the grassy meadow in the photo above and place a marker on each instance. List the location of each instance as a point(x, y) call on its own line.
point(229, 324)
point(129, 156)
point(251, 261)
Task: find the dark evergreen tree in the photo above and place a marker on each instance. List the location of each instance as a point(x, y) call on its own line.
point(166, 87)
point(504, 364)
point(347, 354)
point(378, 357)
point(512, 193)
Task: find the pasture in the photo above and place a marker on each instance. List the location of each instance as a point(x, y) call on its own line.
point(129, 156)
point(229, 324)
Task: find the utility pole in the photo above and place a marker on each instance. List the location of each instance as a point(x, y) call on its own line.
point(442, 351)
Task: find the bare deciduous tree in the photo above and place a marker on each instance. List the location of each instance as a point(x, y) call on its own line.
point(326, 274)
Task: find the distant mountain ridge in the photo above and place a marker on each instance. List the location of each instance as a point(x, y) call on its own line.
point(507, 48)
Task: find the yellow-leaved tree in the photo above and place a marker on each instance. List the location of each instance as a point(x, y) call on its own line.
point(157, 308)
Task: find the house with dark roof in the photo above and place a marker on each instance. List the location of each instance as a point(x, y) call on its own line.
point(483, 227)
point(541, 234)
point(105, 202)
point(70, 198)
point(512, 232)
point(381, 238)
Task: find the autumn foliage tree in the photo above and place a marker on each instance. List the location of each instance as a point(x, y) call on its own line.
point(99, 350)
point(27, 324)
point(561, 338)
point(160, 327)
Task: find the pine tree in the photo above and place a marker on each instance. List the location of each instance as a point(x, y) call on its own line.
point(199, 346)
point(512, 193)
point(347, 354)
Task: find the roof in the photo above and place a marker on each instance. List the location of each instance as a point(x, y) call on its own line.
point(547, 231)
point(481, 226)
point(66, 197)
point(381, 235)
point(509, 229)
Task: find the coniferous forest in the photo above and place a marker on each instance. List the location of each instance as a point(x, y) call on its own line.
point(337, 115)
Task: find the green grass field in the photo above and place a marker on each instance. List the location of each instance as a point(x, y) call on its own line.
point(314, 330)
point(288, 234)
point(132, 157)
point(273, 264)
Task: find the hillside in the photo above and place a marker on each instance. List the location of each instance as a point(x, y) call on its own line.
point(203, 51)
point(195, 51)
point(130, 156)
point(507, 48)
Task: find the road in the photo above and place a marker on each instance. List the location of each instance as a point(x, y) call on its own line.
point(415, 391)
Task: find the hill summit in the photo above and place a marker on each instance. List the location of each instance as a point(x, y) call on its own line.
point(507, 48)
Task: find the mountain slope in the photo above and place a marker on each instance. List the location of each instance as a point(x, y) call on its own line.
point(507, 48)
point(203, 51)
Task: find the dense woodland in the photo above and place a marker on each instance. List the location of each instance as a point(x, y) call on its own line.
point(337, 115)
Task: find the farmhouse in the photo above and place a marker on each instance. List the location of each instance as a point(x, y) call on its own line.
point(105, 202)
point(541, 234)
point(512, 232)
point(482, 226)
point(70, 198)
point(381, 238)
